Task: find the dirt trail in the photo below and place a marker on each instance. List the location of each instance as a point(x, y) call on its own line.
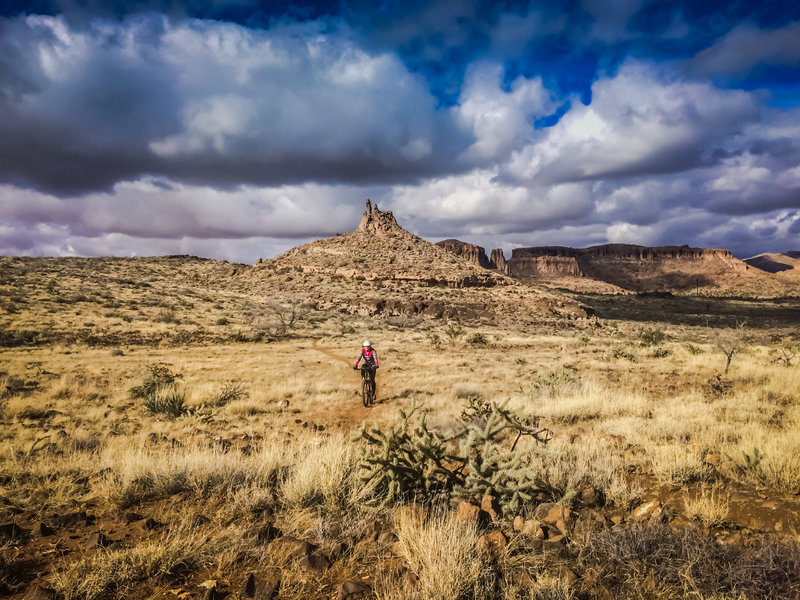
point(328, 352)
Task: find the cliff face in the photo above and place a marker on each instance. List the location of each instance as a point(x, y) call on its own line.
point(499, 261)
point(537, 266)
point(474, 254)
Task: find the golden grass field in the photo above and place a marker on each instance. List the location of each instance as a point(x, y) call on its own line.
point(265, 442)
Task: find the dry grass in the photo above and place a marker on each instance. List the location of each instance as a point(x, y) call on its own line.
point(709, 505)
point(73, 437)
point(440, 552)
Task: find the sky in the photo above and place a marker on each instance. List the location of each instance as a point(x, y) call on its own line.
point(236, 129)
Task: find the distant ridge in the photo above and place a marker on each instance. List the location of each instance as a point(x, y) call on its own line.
point(773, 262)
point(620, 268)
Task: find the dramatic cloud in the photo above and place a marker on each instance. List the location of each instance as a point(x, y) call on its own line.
point(235, 130)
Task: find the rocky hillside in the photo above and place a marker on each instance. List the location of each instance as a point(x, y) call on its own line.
point(773, 262)
point(380, 268)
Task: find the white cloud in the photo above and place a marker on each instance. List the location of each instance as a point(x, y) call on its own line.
point(637, 124)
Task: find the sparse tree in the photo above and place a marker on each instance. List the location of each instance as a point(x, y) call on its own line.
point(731, 342)
point(785, 351)
point(288, 314)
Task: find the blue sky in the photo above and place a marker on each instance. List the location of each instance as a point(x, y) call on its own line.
point(236, 129)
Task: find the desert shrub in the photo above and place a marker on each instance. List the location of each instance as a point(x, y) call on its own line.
point(12, 338)
point(231, 391)
point(411, 460)
point(784, 351)
point(117, 352)
point(748, 464)
point(651, 336)
point(719, 386)
point(167, 315)
point(477, 338)
point(347, 329)
point(222, 321)
point(453, 331)
point(661, 352)
point(693, 349)
point(554, 381)
point(169, 402)
point(623, 352)
point(11, 385)
point(158, 376)
point(657, 561)
point(435, 339)
point(731, 342)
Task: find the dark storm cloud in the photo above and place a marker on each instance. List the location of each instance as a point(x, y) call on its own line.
point(211, 104)
point(214, 126)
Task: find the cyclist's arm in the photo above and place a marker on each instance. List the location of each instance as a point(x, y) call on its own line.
point(375, 354)
point(360, 356)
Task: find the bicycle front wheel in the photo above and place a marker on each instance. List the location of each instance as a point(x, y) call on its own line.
point(365, 392)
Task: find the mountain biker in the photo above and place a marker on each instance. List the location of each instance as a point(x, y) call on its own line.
point(370, 357)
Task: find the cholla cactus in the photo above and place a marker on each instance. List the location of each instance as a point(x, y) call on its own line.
point(412, 461)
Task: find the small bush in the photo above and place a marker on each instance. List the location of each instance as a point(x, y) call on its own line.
point(170, 403)
point(623, 352)
point(651, 336)
point(159, 376)
point(693, 349)
point(231, 391)
point(167, 316)
point(477, 339)
point(222, 321)
point(661, 352)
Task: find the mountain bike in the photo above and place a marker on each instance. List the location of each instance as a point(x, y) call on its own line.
point(368, 387)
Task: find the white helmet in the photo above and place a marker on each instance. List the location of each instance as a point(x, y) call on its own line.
point(366, 343)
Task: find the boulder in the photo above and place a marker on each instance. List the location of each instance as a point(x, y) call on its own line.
point(492, 543)
point(98, 540)
point(552, 513)
point(260, 589)
point(11, 531)
point(354, 590)
point(469, 513)
point(646, 511)
point(38, 592)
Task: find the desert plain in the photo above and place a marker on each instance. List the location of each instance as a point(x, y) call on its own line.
point(177, 427)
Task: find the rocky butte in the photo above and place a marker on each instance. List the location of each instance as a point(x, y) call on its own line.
point(380, 268)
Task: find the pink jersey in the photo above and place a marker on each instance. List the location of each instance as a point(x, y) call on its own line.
point(370, 357)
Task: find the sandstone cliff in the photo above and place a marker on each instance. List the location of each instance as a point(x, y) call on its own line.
point(472, 253)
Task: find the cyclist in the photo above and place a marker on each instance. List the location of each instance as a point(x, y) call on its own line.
point(370, 357)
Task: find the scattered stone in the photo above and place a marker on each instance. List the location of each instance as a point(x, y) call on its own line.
point(373, 531)
point(38, 592)
point(550, 512)
point(533, 528)
point(491, 506)
point(316, 561)
point(519, 523)
point(45, 530)
point(617, 519)
point(131, 517)
point(150, 524)
point(11, 531)
point(70, 520)
point(212, 593)
point(590, 496)
point(561, 526)
point(409, 514)
point(469, 513)
point(354, 590)
point(260, 589)
point(98, 540)
point(646, 510)
point(492, 543)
